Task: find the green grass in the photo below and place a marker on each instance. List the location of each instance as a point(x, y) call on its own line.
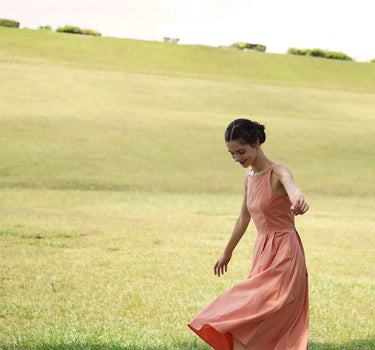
point(190, 61)
point(137, 267)
point(82, 128)
point(117, 194)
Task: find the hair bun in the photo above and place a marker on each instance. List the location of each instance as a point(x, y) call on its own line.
point(261, 133)
point(245, 131)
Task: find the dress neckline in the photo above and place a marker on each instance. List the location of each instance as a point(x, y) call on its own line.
point(252, 174)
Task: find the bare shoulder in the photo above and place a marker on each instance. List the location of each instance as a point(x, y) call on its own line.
point(246, 179)
point(282, 171)
point(248, 173)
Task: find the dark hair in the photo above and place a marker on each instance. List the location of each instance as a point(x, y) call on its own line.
point(245, 131)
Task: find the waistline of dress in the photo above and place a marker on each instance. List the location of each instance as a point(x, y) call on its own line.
point(278, 232)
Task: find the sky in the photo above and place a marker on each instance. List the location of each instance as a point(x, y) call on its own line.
point(337, 25)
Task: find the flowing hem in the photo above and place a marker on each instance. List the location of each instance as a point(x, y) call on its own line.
point(213, 337)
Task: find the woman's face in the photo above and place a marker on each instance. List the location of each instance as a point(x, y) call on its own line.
point(243, 154)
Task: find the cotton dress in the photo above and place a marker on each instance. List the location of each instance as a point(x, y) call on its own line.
point(269, 310)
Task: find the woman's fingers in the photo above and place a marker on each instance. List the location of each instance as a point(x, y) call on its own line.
point(223, 269)
point(220, 268)
point(299, 207)
point(216, 268)
point(305, 208)
point(221, 265)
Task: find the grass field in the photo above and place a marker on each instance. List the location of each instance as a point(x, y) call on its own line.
point(118, 195)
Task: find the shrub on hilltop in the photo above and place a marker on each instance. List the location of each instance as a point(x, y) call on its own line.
point(9, 23)
point(77, 30)
point(248, 46)
point(320, 53)
point(300, 52)
point(45, 28)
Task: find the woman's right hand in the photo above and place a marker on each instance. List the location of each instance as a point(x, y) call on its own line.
point(221, 265)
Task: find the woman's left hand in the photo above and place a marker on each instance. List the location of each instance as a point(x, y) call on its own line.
point(299, 206)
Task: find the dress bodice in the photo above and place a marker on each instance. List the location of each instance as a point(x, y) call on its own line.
point(270, 211)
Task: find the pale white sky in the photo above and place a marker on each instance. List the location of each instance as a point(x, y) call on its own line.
point(337, 25)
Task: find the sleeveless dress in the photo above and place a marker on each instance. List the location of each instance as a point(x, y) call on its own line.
point(269, 310)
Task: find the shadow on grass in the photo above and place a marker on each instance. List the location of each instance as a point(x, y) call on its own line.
point(365, 344)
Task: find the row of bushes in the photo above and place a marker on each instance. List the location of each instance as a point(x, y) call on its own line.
point(320, 53)
point(76, 30)
point(9, 23)
point(248, 46)
point(66, 29)
point(237, 45)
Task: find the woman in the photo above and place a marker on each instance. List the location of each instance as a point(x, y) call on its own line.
point(269, 310)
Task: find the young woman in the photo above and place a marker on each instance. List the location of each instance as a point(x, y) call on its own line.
point(269, 310)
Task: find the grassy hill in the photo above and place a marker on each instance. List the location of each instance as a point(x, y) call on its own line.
point(118, 193)
point(104, 113)
point(192, 61)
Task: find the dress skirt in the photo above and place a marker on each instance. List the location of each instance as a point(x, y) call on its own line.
point(267, 311)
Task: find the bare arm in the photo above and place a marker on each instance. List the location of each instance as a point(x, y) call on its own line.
point(299, 205)
point(238, 231)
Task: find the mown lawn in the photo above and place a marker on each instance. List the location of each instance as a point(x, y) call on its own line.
point(98, 269)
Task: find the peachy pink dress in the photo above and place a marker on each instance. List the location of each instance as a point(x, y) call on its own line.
point(269, 310)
